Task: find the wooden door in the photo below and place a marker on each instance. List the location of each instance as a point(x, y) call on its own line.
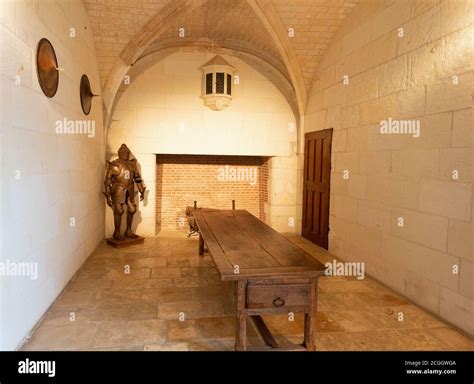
point(316, 184)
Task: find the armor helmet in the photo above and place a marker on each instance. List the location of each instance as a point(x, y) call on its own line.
point(124, 152)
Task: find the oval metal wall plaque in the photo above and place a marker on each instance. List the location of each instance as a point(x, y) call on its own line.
point(47, 68)
point(86, 94)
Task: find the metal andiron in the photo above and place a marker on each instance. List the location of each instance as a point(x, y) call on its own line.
point(120, 179)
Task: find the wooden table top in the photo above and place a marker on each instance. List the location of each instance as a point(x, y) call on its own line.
point(237, 238)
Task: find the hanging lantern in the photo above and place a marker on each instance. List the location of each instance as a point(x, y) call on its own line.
point(217, 76)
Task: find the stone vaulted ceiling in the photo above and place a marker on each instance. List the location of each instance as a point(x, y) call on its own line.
point(314, 22)
point(126, 30)
point(223, 22)
point(115, 23)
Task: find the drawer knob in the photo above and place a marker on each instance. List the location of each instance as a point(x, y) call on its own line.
point(278, 302)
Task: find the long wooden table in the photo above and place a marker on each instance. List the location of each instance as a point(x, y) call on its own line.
point(272, 275)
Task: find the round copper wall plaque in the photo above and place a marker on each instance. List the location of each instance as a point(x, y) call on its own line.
point(47, 68)
point(86, 94)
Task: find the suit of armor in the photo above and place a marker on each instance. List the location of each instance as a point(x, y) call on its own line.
point(121, 176)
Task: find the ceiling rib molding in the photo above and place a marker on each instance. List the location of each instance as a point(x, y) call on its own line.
point(271, 21)
point(136, 46)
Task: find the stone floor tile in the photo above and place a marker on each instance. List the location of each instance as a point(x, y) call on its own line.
point(177, 262)
point(165, 272)
point(112, 312)
point(149, 262)
point(89, 285)
point(66, 315)
point(92, 274)
point(329, 286)
point(169, 347)
point(121, 348)
point(166, 295)
point(117, 297)
point(452, 338)
point(128, 273)
point(182, 330)
point(215, 292)
point(136, 332)
point(143, 311)
point(416, 339)
point(162, 282)
point(198, 271)
point(190, 309)
point(212, 345)
point(202, 329)
point(74, 299)
point(130, 284)
point(182, 282)
point(205, 261)
point(73, 336)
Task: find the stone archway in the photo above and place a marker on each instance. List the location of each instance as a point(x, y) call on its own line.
point(160, 113)
point(289, 80)
point(272, 71)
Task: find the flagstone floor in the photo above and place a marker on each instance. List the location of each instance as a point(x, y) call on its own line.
point(105, 308)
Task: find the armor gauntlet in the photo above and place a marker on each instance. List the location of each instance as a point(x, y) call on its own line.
point(139, 182)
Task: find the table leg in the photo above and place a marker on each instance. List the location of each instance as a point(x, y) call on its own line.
point(310, 318)
point(201, 245)
point(241, 318)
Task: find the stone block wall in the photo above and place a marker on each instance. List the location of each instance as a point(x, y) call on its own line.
point(50, 184)
point(411, 61)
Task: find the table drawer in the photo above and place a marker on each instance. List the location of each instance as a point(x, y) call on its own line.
point(278, 296)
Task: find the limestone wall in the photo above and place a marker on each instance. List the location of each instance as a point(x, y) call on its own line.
point(422, 72)
point(50, 202)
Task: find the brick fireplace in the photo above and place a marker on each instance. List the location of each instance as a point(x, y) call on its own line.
point(213, 181)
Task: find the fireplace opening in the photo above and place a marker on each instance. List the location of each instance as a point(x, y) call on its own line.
point(213, 181)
